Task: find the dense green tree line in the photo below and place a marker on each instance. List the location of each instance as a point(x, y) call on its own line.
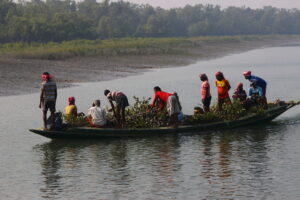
point(55, 20)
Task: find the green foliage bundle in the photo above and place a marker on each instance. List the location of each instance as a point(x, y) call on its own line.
point(79, 121)
point(142, 115)
point(229, 112)
point(259, 109)
point(203, 118)
point(232, 111)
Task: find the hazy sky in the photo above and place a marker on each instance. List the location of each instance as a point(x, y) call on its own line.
point(223, 3)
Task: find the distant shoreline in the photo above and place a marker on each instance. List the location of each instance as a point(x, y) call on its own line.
point(22, 75)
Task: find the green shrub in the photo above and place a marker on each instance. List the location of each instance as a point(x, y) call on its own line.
point(229, 112)
point(79, 121)
point(142, 115)
point(203, 118)
point(232, 111)
point(114, 47)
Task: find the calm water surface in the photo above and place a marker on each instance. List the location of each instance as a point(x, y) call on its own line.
point(259, 162)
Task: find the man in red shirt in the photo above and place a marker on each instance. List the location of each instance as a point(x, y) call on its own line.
point(169, 100)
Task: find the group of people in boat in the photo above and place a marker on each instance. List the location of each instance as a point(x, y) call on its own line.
point(257, 91)
point(96, 116)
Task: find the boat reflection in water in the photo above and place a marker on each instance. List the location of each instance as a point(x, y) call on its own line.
point(223, 162)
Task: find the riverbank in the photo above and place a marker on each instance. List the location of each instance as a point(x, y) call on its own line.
point(21, 74)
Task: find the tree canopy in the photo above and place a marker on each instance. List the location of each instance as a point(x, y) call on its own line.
point(56, 20)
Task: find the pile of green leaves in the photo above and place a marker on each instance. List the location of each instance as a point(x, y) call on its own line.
point(79, 121)
point(142, 115)
point(232, 111)
point(202, 118)
point(229, 112)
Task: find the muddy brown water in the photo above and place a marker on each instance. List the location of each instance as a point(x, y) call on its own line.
point(258, 162)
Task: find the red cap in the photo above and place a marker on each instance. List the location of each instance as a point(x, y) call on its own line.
point(71, 100)
point(47, 76)
point(219, 73)
point(239, 85)
point(247, 73)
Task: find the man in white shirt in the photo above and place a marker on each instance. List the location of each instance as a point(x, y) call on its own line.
point(97, 115)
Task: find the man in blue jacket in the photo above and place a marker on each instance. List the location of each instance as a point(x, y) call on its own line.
point(259, 82)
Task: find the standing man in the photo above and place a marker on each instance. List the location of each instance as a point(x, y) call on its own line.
point(48, 98)
point(259, 83)
point(121, 103)
point(205, 93)
point(223, 88)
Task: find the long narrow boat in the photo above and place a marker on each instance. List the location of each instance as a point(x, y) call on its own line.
point(91, 133)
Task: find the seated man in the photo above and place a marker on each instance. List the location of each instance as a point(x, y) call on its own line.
point(256, 95)
point(239, 93)
point(97, 115)
point(71, 110)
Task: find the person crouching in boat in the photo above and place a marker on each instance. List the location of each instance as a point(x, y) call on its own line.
point(223, 86)
point(96, 115)
point(259, 82)
point(256, 95)
point(71, 110)
point(169, 100)
point(121, 104)
point(205, 93)
point(239, 93)
point(48, 98)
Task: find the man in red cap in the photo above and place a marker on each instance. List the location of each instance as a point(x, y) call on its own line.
point(239, 93)
point(48, 98)
point(259, 82)
point(223, 86)
point(71, 110)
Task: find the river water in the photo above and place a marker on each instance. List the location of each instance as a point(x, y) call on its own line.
point(259, 162)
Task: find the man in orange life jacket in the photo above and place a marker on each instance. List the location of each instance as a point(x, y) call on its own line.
point(223, 86)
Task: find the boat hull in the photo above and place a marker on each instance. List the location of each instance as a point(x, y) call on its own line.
point(92, 133)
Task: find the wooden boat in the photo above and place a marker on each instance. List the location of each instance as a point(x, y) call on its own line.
point(92, 133)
